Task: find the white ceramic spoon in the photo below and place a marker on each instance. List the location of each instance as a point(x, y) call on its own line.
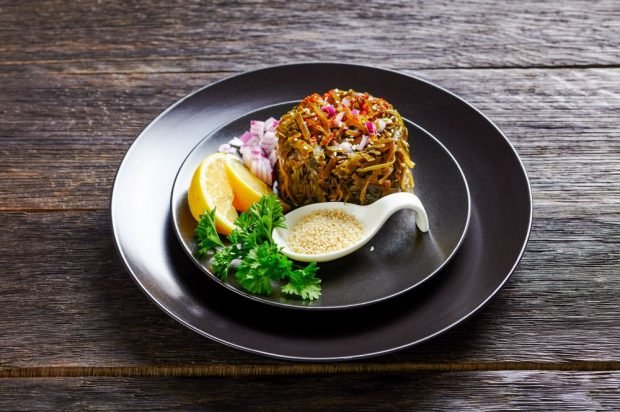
point(372, 217)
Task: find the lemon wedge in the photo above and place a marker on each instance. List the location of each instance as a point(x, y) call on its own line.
point(247, 187)
point(211, 189)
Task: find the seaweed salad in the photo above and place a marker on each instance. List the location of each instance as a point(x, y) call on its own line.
point(342, 146)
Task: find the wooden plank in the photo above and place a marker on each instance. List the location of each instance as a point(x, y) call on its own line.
point(63, 137)
point(505, 390)
point(151, 36)
point(68, 301)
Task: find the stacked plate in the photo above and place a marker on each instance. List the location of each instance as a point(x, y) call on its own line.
point(401, 289)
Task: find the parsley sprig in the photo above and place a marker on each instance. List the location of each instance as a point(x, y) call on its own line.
point(260, 261)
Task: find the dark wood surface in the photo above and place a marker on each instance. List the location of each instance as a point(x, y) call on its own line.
point(80, 80)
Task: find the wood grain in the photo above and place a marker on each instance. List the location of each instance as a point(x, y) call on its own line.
point(300, 369)
point(63, 137)
point(529, 391)
point(180, 36)
point(69, 302)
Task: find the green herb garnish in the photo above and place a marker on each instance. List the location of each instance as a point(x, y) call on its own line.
point(260, 259)
point(205, 233)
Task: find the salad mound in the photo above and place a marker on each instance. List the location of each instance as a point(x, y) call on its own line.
point(342, 146)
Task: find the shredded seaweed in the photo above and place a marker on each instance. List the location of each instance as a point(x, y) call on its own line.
point(334, 157)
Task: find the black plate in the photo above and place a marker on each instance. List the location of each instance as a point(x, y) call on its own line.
point(396, 260)
point(501, 212)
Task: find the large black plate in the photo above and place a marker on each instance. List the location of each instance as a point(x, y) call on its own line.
point(396, 260)
point(501, 212)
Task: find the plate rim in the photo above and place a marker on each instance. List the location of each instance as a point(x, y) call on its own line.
point(245, 348)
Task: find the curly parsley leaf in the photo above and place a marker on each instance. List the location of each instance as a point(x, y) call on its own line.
point(254, 271)
point(222, 260)
point(262, 217)
point(260, 259)
point(279, 266)
point(303, 282)
point(206, 234)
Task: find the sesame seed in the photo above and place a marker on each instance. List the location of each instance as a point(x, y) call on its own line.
point(324, 231)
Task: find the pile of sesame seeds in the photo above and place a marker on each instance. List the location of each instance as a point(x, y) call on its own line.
point(324, 231)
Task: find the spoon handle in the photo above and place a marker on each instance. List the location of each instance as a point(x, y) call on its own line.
point(388, 205)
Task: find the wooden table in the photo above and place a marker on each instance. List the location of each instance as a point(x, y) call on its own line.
point(80, 80)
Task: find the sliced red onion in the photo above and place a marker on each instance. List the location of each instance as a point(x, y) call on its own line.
point(370, 126)
point(269, 142)
point(270, 125)
point(329, 109)
point(254, 167)
point(250, 153)
point(269, 168)
point(257, 148)
point(261, 168)
point(247, 159)
point(254, 141)
point(345, 102)
point(235, 141)
point(245, 137)
point(244, 149)
point(338, 118)
point(363, 142)
point(355, 112)
point(267, 171)
point(226, 148)
point(273, 158)
point(257, 128)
